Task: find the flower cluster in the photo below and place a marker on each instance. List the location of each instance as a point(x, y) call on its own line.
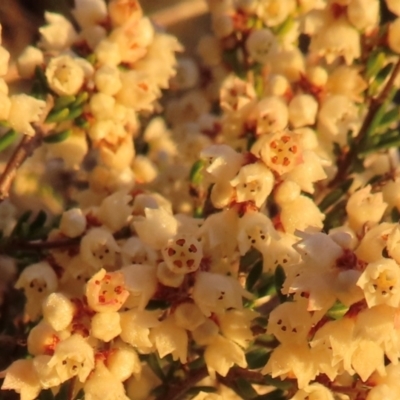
point(247, 236)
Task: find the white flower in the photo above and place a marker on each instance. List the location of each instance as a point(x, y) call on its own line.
point(254, 182)
point(222, 354)
point(292, 359)
point(141, 282)
point(280, 151)
point(123, 11)
point(138, 90)
point(73, 357)
point(108, 53)
point(58, 311)
point(169, 338)
point(65, 75)
point(261, 45)
point(337, 116)
point(24, 110)
point(337, 39)
point(21, 377)
point(216, 292)
point(182, 254)
point(381, 283)
point(115, 210)
point(236, 94)
point(58, 35)
point(235, 325)
point(102, 106)
point(364, 15)
point(274, 12)
point(99, 248)
point(205, 333)
point(188, 316)
point(37, 281)
point(222, 162)
point(290, 323)
point(156, 228)
point(29, 59)
point(272, 115)
point(136, 326)
point(123, 361)
point(364, 207)
point(105, 326)
point(103, 385)
point(73, 222)
point(255, 230)
point(107, 80)
point(89, 12)
point(168, 277)
point(106, 292)
point(302, 110)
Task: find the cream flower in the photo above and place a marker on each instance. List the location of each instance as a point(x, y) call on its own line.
point(123, 361)
point(58, 311)
point(169, 338)
point(216, 292)
point(25, 110)
point(37, 281)
point(123, 11)
point(73, 357)
point(261, 45)
point(280, 151)
point(103, 385)
point(89, 12)
point(364, 207)
point(115, 210)
point(222, 354)
point(58, 35)
point(182, 254)
point(105, 326)
point(272, 115)
point(64, 75)
point(22, 378)
point(73, 222)
point(106, 292)
point(381, 283)
point(29, 59)
point(99, 248)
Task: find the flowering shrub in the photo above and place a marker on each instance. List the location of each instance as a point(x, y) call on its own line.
point(224, 227)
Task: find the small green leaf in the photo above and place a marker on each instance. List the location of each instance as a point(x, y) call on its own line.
point(337, 310)
point(336, 216)
point(254, 275)
point(80, 99)
point(196, 172)
point(8, 139)
point(333, 196)
point(380, 78)
point(257, 358)
point(154, 363)
point(63, 102)
point(75, 112)
point(58, 137)
point(390, 117)
point(197, 363)
point(58, 115)
point(82, 122)
point(280, 277)
point(395, 215)
point(375, 63)
point(245, 389)
point(285, 27)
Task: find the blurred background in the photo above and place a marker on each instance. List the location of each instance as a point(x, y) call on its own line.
point(20, 19)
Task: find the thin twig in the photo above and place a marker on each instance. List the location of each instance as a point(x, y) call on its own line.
point(24, 150)
point(376, 103)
